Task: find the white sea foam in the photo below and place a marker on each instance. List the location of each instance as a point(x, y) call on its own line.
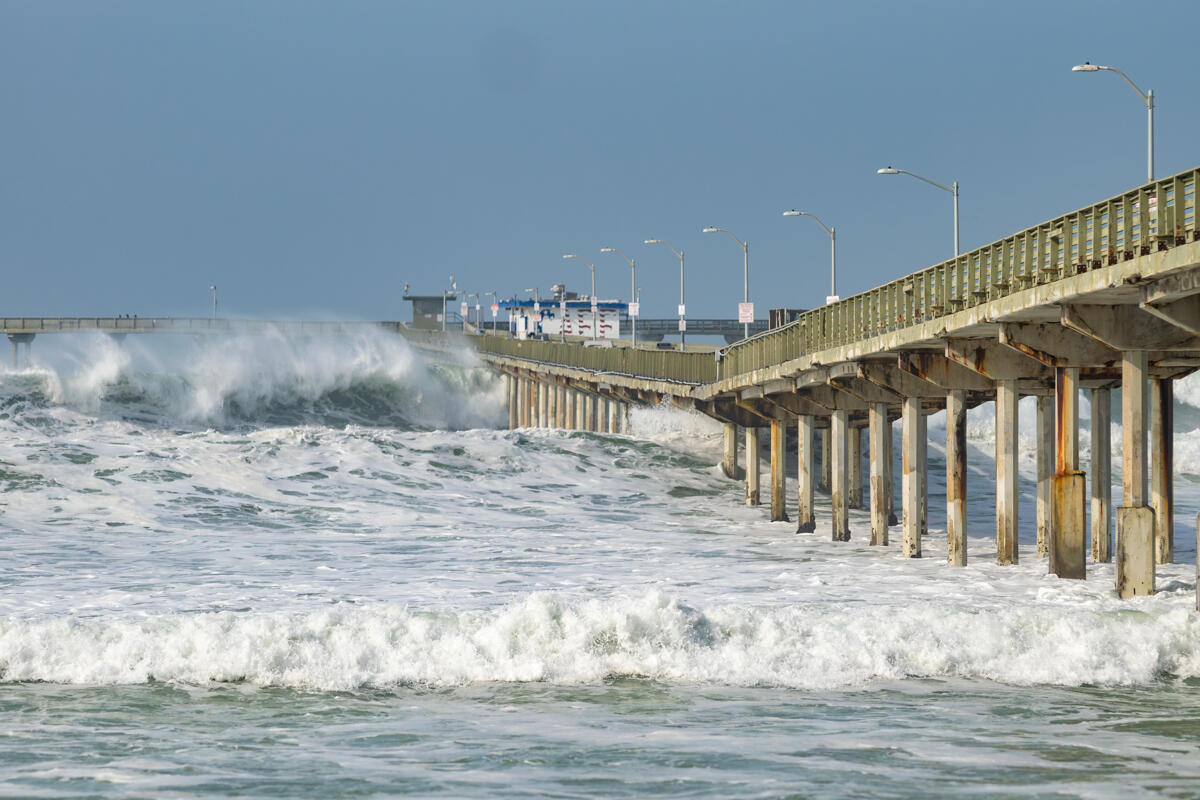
point(544, 637)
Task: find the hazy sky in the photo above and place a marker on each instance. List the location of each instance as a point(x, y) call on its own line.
point(311, 158)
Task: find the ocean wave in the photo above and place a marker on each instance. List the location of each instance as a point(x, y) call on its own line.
point(365, 379)
point(548, 638)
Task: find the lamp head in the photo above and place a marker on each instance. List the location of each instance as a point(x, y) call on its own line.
point(887, 171)
point(652, 241)
point(710, 229)
point(570, 255)
point(793, 213)
point(607, 250)
point(1086, 66)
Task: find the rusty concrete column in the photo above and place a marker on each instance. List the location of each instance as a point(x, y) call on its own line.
point(1101, 475)
point(838, 432)
point(560, 416)
point(805, 476)
point(624, 418)
point(523, 402)
point(923, 466)
point(878, 429)
point(729, 463)
point(956, 478)
point(580, 411)
point(543, 407)
point(1162, 483)
point(910, 510)
point(601, 414)
point(778, 472)
point(1068, 519)
point(1135, 519)
point(1006, 472)
point(854, 478)
point(1045, 472)
point(752, 466)
point(826, 460)
point(614, 422)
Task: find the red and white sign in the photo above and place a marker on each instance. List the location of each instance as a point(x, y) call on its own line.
point(495, 309)
point(463, 309)
point(682, 309)
point(745, 312)
point(634, 308)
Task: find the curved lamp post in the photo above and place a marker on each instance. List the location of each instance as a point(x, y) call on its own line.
point(632, 289)
point(592, 267)
point(214, 291)
point(952, 189)
point(833, 295)
point(1147, 98)
point(745, 270)
point(682, 316)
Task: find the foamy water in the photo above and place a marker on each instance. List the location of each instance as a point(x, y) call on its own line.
point(335, 535)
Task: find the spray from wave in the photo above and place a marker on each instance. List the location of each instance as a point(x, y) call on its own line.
point(369, 378)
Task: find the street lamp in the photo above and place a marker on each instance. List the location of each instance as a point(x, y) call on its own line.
point(452, 290)
point(1147, 97)
point(952, 189)
point(632, 290)
point(495, 302)
point(682, 316)
point(592, 267)
point(214, 291)
point(745, 268)
point(476, 296)
point(833, 295)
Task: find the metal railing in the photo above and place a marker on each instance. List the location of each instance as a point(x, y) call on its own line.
point(670, 366)
point(1156, 216)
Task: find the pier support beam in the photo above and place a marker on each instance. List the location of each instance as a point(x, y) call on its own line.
point(589, 412)
point(805, 477)
point(729, 463)
point(752, 483)
point(879, 430)
point(560, 406)
point(838, 430)
point(1045, 472)
point(923, 465)
point(1101, 475)
point(580, 411)
point(889, 472)
point(510, 385)
point(1135, 519)
point(826, 460)
point(910, 478)
point(956, 478)
point(778, 471)
point(854, 478)
point(1162, 484)
point(1006, 471)
point(543, 405)
point(1068, 529)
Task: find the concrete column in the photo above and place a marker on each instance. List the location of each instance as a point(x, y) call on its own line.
point(1101, 475)
point(923, 466)
point(601, 414)
point(826, 459)
point(805, 476)
point(956, 478)
point(751, 466)
point(522, 402)
point(838, 434)
point(1006, 472)
point(1162, 484)
point(854, 477)
point(729, 463)
point(551, 405)
point(613, 424)
point(514, 403)
point(878, 429)
point(1135, 519)
point(543, 409)
point(580, 411)
point(778, 472)
point(1045, 472)
point(560, 407)
point(910, 467)
point(624, 417)
point(1068, 521)
point(889, 472)
point(589, 412)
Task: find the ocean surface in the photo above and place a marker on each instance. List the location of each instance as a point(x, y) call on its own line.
point(268, 568)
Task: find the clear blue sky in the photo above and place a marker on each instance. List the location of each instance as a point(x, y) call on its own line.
point(310, 158)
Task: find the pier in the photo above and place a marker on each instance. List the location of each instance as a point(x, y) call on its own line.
point(1105, 297)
